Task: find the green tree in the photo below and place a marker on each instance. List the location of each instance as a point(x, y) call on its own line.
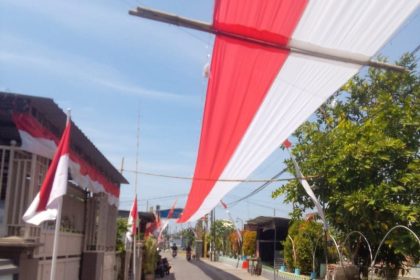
point(121, 231)
point(363, 149)
point(188, 236)
point(222, 229)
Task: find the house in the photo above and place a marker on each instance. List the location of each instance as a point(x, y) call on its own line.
point(30, 128)
point(270, 232)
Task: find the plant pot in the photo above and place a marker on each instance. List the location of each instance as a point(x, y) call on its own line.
point(282, 268)
point(245, 264)
point(297, 271)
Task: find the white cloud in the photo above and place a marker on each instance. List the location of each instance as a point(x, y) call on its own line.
point(74, 67)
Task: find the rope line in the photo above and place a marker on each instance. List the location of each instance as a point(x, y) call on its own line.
point(217, 180)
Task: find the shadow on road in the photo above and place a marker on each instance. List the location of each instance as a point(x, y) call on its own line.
point(213, 272)
point(170, 276)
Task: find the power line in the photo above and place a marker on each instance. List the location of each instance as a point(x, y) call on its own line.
point(257, 190)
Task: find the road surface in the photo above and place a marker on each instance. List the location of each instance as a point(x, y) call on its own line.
point(203, 270)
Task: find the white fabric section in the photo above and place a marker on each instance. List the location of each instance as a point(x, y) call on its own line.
point(308, 190)
point(46, 148)
point(130, 223)
point(93, 186)
point(165, 224)
point(59, 188)
point(304, 83)
point(32, 217)
point(39, 146)
point(356, 26)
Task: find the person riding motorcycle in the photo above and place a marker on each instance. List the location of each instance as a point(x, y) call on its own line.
point(188, 250)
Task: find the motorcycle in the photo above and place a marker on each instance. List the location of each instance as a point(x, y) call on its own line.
point(162, 267)
point(174, 253)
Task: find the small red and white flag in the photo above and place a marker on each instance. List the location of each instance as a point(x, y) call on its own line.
point(132, 221)
point(305, 184)
point(166, 221)
point(45, 205)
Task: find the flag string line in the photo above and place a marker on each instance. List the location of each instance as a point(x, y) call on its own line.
point(217, 180)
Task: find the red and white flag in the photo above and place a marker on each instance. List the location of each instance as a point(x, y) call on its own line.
point(238, 232)
point(305, 184)
point(132, 221)
point(166, 221)
point(45, 205)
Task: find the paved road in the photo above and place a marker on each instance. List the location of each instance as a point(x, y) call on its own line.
point(203, 270)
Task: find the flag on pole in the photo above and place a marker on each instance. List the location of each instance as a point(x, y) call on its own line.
point(165, 224)
point(238, 232)
point(132, 221)
point(45, 205)
point(305, 183)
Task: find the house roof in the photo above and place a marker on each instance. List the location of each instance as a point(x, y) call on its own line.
point(264, 221)
point(47, 112)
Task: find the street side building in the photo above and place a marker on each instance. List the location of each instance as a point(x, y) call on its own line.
point(29, 131)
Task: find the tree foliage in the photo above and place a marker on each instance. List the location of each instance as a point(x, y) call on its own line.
point(188, 236)
point(235, 244)
point(222, 229)
point(363, 149)
point(250, 242)
point(121, 231)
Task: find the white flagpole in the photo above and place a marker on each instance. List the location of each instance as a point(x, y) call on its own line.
point(57, 228)
point(135, 195)
point(55, 244)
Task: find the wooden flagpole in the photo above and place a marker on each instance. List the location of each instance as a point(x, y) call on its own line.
point(293, 46)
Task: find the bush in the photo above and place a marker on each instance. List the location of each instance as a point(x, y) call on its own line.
point(305, 235)
point(150, 255)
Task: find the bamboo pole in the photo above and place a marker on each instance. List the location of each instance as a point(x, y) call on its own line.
point(293, 46)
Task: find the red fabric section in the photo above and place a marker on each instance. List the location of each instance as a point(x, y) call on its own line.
point(240, 76)
point(134, 214)
point(29, 124)
point(87, 170)
point(266, 20)
point(46, 187)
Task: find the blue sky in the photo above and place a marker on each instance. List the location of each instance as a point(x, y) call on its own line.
point(107, 66)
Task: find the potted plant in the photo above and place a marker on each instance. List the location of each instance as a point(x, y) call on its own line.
point(150, 258)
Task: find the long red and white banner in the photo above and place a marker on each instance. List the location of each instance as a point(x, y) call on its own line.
point(39, 140)
point(257, 96)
